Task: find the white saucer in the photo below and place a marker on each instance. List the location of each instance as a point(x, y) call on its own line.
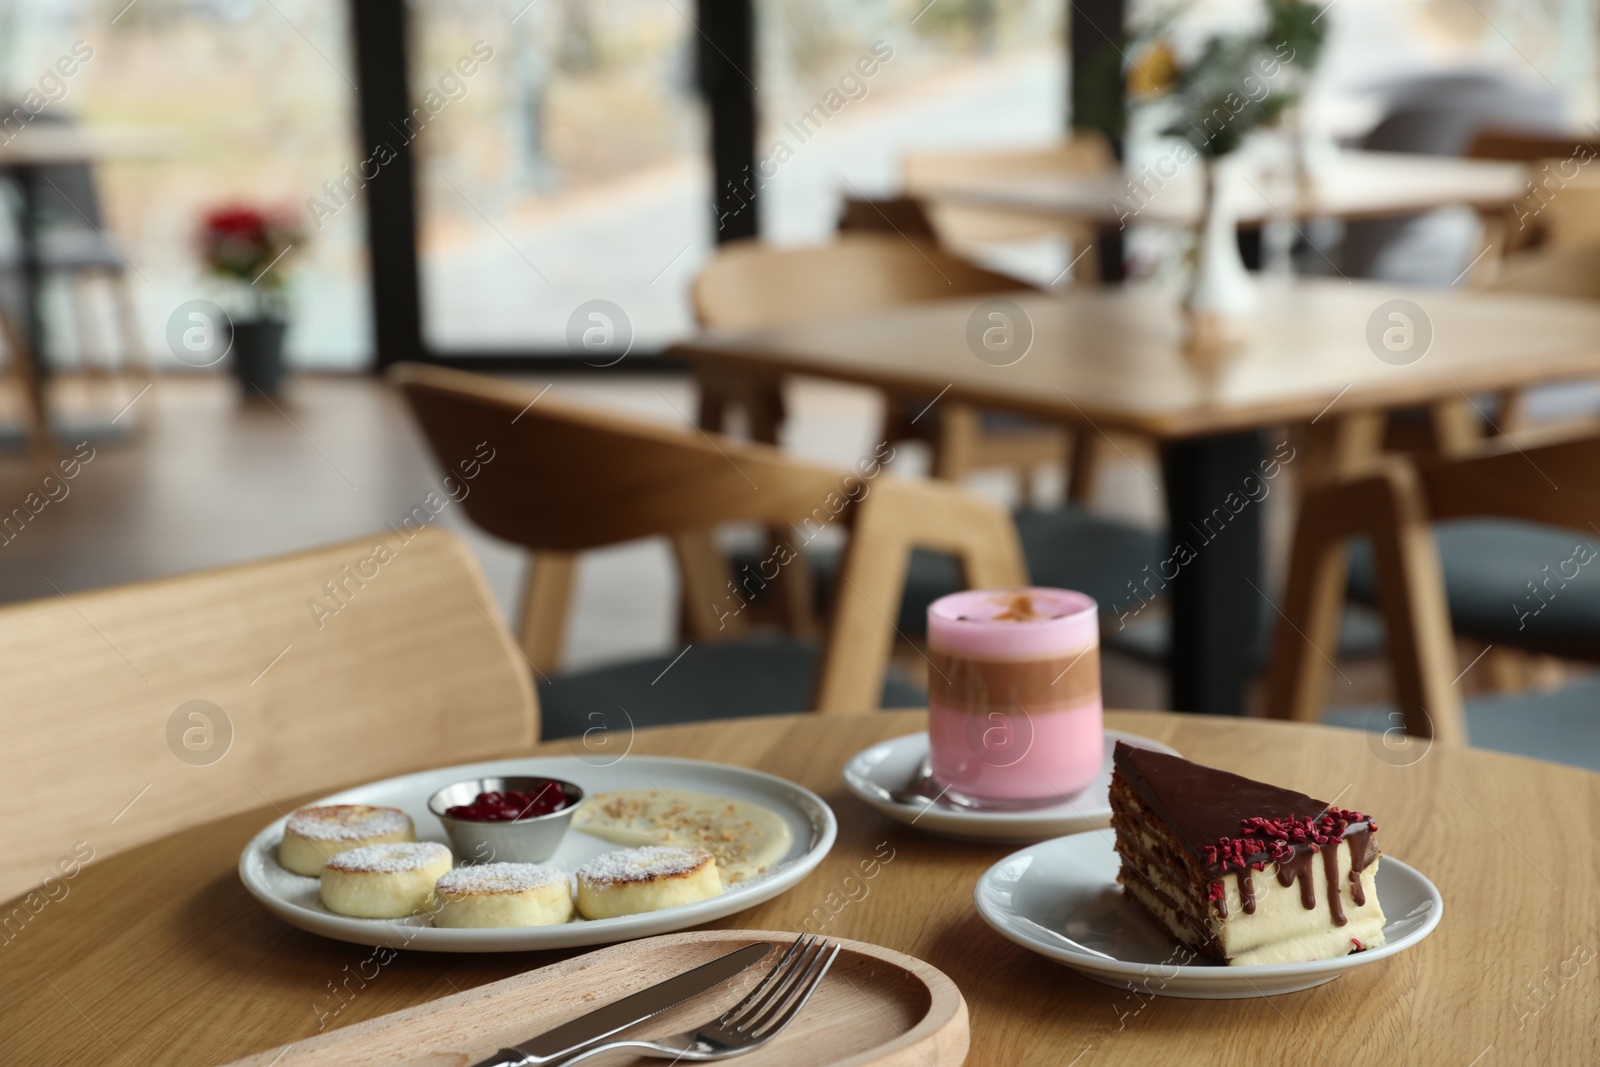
point(873, 772)
point(1061, 900)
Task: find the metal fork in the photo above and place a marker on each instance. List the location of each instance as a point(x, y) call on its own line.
point(749, 1024)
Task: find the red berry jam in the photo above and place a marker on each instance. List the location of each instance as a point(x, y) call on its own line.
point(511, 805)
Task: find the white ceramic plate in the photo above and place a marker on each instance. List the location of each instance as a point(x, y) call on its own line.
point(297, 901)
point(1061, 899)
point(873, 772)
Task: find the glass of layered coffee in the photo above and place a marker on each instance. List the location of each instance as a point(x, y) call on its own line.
point(1014, 715)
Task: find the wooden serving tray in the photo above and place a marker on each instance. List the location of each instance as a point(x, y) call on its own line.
point(876, 1008)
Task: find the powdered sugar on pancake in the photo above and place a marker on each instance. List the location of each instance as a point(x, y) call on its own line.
point(643, 864)
point(391, 858)
point(489, 878)
point(347, 822)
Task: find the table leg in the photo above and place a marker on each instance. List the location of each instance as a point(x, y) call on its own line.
point(1337, 448)
point(1216, 551)
point(765, 408)
point(32, 311)
point(40, 440)
point(790, 603)
point(29, 354)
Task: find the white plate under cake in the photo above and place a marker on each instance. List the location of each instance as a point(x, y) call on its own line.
point(1212, 886)
point(1061, 900)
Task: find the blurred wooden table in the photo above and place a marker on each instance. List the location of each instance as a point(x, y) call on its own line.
point(1349, 185)
point(1115, 359)
point(159, 956)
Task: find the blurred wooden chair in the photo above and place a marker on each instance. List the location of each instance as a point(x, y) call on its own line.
point(1396, 508)
point(1559, 268)
point(748, 285)
point(1562, 207)
point(906, 216)
point(564, 479)
point(966, 228)
point(1487, 562)
point(1525, 146)
point(136, 711)
point(1568, 269)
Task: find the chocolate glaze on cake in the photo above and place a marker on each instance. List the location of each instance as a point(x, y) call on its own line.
point(1233, 824)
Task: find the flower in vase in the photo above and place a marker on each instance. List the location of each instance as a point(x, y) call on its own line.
point(1235, 83)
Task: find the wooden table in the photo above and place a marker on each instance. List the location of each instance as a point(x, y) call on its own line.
point(1350, 185)
point(1115, 359)
point(159, 956)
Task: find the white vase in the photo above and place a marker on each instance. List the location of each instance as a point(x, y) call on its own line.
point(1221, 287)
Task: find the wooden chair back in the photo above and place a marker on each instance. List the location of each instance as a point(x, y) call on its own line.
point(903, 216)
point(137, 711)
point(1525, 146)
point(1562, 211)
point(1561, 208)
point(748, 284)
point(1569, 270)
point(963, 227)
point(565, 478)
point(1552, 269)
point(1395, 506)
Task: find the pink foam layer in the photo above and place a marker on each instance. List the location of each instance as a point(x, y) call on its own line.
point(963, 624)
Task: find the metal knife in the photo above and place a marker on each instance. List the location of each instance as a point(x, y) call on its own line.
point(601, 1023)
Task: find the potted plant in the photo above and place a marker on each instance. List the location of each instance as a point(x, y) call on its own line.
point(1229, 86)
point(245, 248)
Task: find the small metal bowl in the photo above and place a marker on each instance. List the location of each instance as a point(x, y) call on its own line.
point(530, 840)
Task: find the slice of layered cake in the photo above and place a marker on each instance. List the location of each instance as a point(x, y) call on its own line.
point(1242, 871)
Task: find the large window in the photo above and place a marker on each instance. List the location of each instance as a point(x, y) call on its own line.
point(569, 167)
point(259, 99)
point(848, 86)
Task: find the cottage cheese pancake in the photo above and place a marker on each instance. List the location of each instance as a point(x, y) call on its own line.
point(504, 894)
point(312, 836)
point(388, 881)
point(637, 880)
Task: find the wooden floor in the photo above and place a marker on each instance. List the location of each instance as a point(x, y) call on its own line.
point(194, 478)
point(205, 480)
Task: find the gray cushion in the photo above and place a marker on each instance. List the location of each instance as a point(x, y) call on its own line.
point(1488, 565)
point(1562, 727)
point(711, 681)
point(1149, 636)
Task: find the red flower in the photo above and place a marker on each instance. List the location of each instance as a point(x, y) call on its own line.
point(248, 243)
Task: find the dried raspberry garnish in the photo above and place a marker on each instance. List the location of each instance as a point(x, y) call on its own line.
point(1278, 838)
